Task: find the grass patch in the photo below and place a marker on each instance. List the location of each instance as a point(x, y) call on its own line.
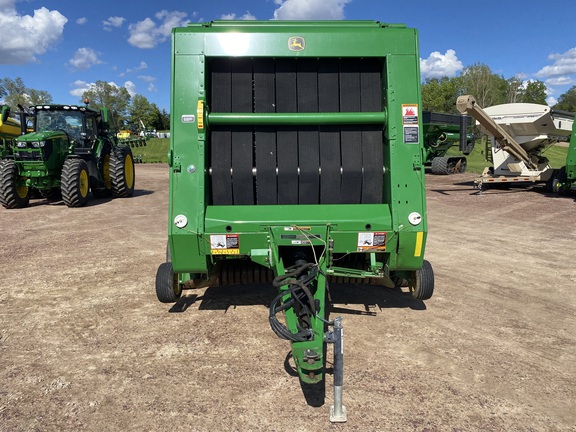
point(477, 159)
point(155, 151)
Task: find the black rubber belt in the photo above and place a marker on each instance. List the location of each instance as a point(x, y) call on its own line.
point(221, 162)
point(287, 137)
point(351, 188)
point(266, 165)
point(287, 142)
point(221, 138)
point(372, 146)
point(308, 141)
point(265, 137)
point(242, 180)
point(372, 161)
point(328, 101)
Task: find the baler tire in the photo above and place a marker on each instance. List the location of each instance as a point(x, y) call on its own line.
point(168, 290)
point(122, 172)
point(423, 286)
point(75, 182)
point(12, 196)
point(440, 166)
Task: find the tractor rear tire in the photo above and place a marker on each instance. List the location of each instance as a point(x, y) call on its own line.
point(168, 289)
point(11, 195)
point(75, 182)
point(122, 172)
point(422, 287)
point(106, 190)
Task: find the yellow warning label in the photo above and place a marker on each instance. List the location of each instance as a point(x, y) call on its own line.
point(225, 251)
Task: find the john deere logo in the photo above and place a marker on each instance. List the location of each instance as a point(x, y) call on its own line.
point(296, 43)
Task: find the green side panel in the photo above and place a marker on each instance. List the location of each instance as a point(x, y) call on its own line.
point(571, 156)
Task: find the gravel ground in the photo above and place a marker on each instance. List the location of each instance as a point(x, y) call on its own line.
point(85, 345)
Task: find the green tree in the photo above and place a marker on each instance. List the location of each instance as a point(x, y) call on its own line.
point(488, 88)
point(165, 116)
point(16, 93)
point(514, 90)
point(535, 92)
point(141, 111)
point(567, 101)
point(105, 95)
point(439, 94)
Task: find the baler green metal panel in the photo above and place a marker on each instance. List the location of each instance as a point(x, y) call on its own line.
point(297, 142)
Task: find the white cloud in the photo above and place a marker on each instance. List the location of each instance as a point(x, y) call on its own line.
point(28, 35)
point(551, 101)
point(232, 16)
point(79, 88)
point(149, 33)
point(147, 78)
point(114, 21)
point(82, 86)
point(81, 21)
point(152, 88)
point(130, 86)
point(560, 81)
point(83, 59)
point(564, 64)
point(310, 9)
point(439, 65)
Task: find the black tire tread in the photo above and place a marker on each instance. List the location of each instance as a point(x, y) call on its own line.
point(70, 182)
point(165, 284)
point(440, 166)
point(424, 285)
point(9, 198)
point(120, 189)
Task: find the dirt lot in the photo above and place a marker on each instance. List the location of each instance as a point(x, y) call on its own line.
point(85, 345)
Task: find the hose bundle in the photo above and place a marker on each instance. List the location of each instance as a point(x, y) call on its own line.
point(298, 279)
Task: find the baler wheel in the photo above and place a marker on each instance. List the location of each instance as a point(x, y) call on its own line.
point(122, 172)
point(168, 289)
point(75, 182)
point(422, 287)
point(11, 195)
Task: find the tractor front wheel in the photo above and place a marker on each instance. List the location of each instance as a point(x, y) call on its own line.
point(75, 182)
point(122, 172)
point(168, 288)
point(422, 285)
point(11, 194)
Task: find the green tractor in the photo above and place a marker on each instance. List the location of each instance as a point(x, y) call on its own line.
point(564, 180)
point(70, 152)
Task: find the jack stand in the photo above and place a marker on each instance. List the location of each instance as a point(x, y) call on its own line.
point(337, 411)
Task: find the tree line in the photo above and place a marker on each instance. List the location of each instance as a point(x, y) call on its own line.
point(489, 88)
point(127, 109)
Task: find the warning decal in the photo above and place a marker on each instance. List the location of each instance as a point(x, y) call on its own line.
point(371, 241)
point(225, 244)
point(410, 123)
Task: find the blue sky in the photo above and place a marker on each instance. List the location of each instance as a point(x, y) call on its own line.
point(63, 46)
